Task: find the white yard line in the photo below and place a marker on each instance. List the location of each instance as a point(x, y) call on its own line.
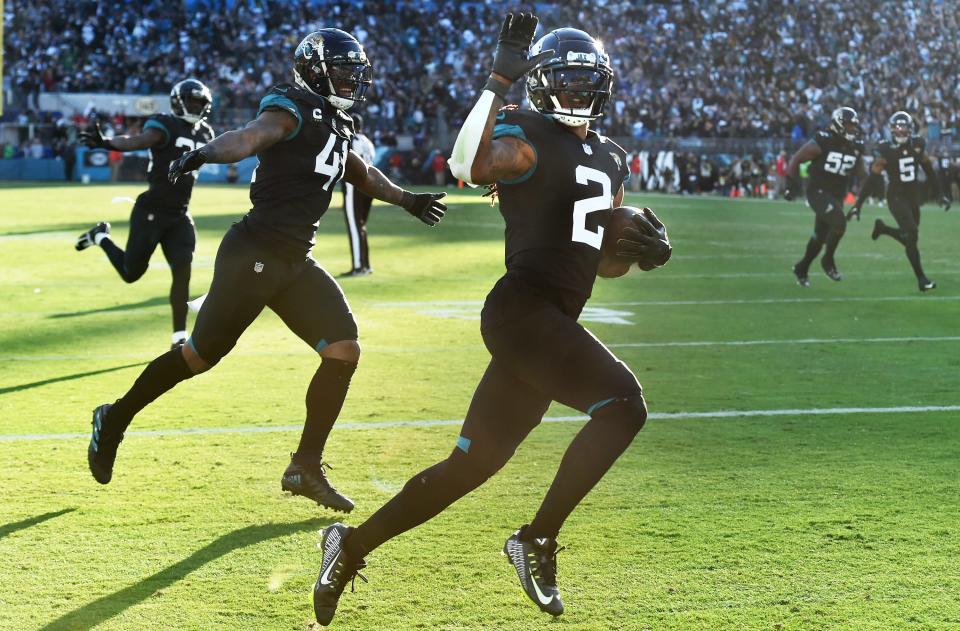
point(799, 342)
point(672, 303)
point(349, 425)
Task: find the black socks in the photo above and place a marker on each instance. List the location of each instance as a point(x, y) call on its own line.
point(160, 375)
point(325, 396)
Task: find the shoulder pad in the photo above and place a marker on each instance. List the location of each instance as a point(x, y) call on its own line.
point(282, 88)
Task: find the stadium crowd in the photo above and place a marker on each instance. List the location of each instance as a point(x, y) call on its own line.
point(745, 68)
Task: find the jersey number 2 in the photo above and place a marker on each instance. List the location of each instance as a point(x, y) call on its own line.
point(583, 207)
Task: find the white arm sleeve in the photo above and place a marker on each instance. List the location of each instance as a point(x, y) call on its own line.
point(468, 140)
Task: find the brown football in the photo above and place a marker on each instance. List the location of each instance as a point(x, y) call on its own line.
point(620, 218)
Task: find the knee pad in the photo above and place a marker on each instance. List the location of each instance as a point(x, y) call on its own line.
point(630, 408)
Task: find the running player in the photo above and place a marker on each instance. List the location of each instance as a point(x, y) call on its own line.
point(160, 215)
point(900, 156)
point(557, 181)
point(301, 136)
point(834, 155)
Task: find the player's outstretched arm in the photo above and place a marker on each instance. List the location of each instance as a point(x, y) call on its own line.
point(806, 153)
point(368, 179)
point(867, 184)
point(93, 138)
point(477, 158)
point(927, 165)
point(266, 130)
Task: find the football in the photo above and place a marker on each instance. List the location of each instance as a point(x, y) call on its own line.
point(620, 219)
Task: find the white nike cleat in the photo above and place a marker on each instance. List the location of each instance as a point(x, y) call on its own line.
point(89, 238)
point(536, 565)
point(336, 570)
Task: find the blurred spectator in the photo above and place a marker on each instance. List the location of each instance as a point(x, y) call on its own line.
point(439, 167)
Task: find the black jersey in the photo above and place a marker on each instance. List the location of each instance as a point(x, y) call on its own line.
point(179, 137)
point(292, 185)
point(903, 167)
point(556, 212)
point(832, 170)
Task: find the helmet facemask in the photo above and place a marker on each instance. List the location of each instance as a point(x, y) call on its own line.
point(846, 123)
point(901, 127)
point(343, 80)
point(191, 101)
point(570, 94)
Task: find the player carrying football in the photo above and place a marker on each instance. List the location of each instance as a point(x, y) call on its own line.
point(557, 183)
point(834, 155)
point(159, 216)
point(900, 156)
point(301, 137)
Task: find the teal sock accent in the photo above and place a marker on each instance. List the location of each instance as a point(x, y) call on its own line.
point(192, 345)
point(463, 444)
point(322, 344)
point(599, 404)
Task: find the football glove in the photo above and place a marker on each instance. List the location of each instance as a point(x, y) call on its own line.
point(648, 243)
point(793, 189)
point(189, 161)
point(945, 202)
point(854, 213)
point(93, 138)
point(426, 207)
point(516, 35)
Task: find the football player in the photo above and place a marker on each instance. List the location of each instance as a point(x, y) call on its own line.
point(900, 157)
point(834, 155)
point(557, 181)
point(160, 215)
point(301, 137)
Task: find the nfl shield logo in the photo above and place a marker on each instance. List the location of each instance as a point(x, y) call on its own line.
point(258, 267)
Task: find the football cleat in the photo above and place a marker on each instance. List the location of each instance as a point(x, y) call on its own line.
point(88, 238)
point(311, 482)
point(362, 271)
point(102, 451)
point(877, 229)
point(802, 279)
point(536, 565)
point(336, 570)
point(831, 271)
point(926, 284)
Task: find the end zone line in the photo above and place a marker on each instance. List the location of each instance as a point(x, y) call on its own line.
point(352, 425)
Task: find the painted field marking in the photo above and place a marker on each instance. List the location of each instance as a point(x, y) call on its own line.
point(349, 425)
point(685, 303)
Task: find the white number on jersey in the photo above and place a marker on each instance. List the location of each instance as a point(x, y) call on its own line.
point(337, 161)
point(584, 207)
point(839, 163)
point(908, 170)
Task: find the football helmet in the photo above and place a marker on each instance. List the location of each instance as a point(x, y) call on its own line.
point(845, 122)
point(901, 127)
point(191, 101)
point(331, 63)
point(574, 85)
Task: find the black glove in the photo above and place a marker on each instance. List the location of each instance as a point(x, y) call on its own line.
point(93, 138)
point(426, 207)
point(945, 202)
point(793, 189)
point(648, 243)
point(189, 161)
point(854, 212)
point(516, 35)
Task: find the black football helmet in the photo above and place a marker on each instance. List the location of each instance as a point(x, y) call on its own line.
point(331, 63)
point(574, 85)
point(901, 127)
point(191, 101)
point(845, 122)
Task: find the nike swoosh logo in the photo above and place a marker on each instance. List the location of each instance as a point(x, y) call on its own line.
point(543, 599)
point(325, 577)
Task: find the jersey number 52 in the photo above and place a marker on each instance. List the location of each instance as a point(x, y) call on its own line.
point(583, 207)
point(839, 163)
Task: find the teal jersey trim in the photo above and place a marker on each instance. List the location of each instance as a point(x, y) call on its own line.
point(155, 124)
point(599, 404)
point(322, 344)
point(277, 101)
point(502, 130)
point(463, 444)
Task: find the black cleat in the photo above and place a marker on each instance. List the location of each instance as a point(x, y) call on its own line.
point(536, 565)
point(360, 271)
point(831, 271)
point(88, 238)
point(102, 451)
point(926, 284)
point(336, 570)
point(802, 279)
point(877, 229)
point(311, 482)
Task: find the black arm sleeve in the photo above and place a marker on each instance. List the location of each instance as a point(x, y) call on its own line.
point(932, 178)
point(869, 185)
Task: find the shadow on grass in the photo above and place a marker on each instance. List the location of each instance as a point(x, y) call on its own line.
point(79, 375)
point(105, 608)
point(143, 304)
point(13, 527)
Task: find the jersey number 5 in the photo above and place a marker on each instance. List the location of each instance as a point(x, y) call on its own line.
point(908, 170)
point(839, 163)
point(584, 207)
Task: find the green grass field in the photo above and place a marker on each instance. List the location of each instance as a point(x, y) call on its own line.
point(804, 519)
